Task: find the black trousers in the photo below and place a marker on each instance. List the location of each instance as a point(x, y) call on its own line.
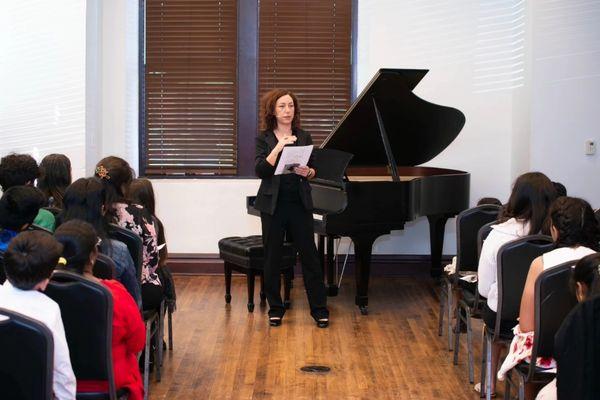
point(292, 217)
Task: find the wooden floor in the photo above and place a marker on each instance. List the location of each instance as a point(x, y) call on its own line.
point(224, 352)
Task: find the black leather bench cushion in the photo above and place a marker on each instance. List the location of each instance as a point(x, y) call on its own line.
point(248, 252)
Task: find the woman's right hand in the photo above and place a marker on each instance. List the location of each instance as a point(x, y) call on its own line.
point(285, 141)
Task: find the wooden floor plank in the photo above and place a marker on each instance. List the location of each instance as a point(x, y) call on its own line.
point(224, 352)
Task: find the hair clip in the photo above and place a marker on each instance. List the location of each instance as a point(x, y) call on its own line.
point(102, 172)
point(62, 261)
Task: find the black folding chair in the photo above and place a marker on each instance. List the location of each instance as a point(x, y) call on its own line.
point(27, 364)
point(89, 339)
point(553, 301)
point(104, 268)
point(151, 317)
point(514, 260)
point(468, 224)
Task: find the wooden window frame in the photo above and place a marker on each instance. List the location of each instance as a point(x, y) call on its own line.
point(247, 85)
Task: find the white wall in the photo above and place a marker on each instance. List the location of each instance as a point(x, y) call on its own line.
point(494, 60)
point(566, 93)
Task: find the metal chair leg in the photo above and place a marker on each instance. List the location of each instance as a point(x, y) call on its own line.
point(488, 367)
point(170, 324)
point(470, 345)
point(147, 358)
point(457, 333)
point(449, 301)
point(443, 297)
point(521, 387)
point(483, 363)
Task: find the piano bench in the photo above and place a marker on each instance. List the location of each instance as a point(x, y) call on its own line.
point(246, 255)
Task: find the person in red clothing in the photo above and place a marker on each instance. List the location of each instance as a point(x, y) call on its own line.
point(80, 250)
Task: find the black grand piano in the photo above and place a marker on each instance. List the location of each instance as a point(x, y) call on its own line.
point(368, 182)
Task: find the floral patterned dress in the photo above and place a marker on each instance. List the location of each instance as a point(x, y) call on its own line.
point(137, 219)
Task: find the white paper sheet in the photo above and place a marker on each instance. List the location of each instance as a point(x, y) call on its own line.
point(293, 156)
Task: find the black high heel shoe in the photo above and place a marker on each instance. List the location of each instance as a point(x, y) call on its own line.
point(275, 321)
point(323, 322)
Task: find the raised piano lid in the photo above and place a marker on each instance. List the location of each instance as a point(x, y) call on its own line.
point(417, 130)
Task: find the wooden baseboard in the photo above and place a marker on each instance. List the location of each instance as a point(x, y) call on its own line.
point(381, 265)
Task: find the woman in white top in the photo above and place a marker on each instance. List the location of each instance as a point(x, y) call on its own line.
point(524, 215)
point(575, 233)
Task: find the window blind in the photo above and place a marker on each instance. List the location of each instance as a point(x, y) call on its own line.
point(190, 87)
point(305, 46)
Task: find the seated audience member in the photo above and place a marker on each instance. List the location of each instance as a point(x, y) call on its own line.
point(18, 207)
point(55, 176)
point(80, 251)
point(561, 190)
point(29, 261)
point(575, 234)
point(576, 342)
point(489, 200)
point(116, 175)
point(523, 215)
point(141, 192)
point(22, 169)
point(85, 199)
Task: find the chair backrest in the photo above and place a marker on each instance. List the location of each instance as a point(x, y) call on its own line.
point(86, 308)
point(104, 268)
point(514, 260)
point(468, 224)
point(134, 245)
point(27, 354)
point(553, 301)
point(482, 234)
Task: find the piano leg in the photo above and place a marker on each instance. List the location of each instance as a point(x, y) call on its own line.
point(332, 289)
point(363, 247)
point(437, 225)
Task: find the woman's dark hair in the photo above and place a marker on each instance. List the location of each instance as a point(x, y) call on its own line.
point(267, 108)
point(17, 170)
point(79, 241)
point(489, 200)
point(30, 258)
point(116, 175)
point(561, 190)
point(575, 222)
point(529, 200)
point(19, 206)
point(141, 192)
point(587, 271)
point(84, 200)
point(55, 176)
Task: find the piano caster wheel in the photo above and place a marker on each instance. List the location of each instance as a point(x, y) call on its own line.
point(250, 307)
point(227, 298)
point(332, 291)
point(364, 310)
point(287, 304)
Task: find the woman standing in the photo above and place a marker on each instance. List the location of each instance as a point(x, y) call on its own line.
point(286, 206)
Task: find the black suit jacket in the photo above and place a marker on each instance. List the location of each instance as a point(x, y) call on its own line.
point(266, 198)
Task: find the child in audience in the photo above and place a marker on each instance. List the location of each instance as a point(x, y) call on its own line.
point(561, 190)
point(79, 240)
point(55, 176)
point(524, 215)
point(29, 261)
point(19, 170)
point(85, 199)
point(18, 207)
point(116, 175)
point(141, 192)
point(575, 234)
